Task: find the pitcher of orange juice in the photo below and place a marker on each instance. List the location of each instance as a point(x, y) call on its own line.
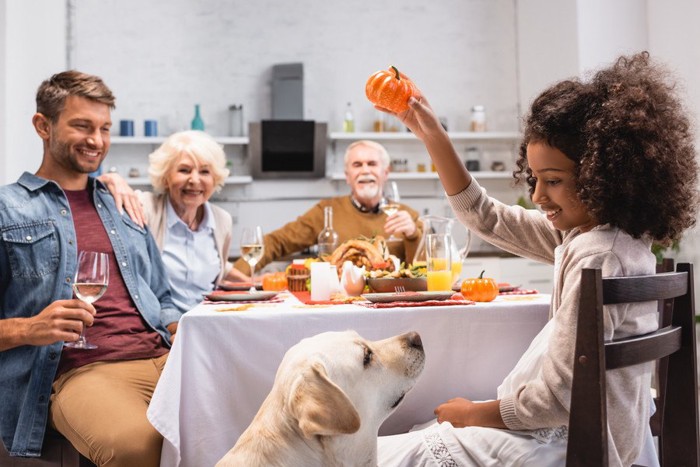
point(444, 225)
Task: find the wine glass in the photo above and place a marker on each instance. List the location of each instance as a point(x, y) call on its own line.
point(91, 279)
point(252, 248)
point(390, 203)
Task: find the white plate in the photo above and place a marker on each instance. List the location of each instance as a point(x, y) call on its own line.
point(242, 286)
point(239, 297)
point(407, 297)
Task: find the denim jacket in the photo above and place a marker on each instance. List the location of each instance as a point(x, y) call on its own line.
point(38, 256)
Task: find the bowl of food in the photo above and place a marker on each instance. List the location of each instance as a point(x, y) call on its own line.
point(394, 284)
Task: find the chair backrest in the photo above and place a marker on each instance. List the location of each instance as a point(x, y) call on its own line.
point(588, 442)
point(660, 376)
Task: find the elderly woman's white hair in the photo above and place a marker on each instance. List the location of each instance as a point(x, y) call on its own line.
point(197, 144)
point(383, 154)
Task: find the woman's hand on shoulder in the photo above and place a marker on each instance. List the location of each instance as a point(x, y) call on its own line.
point(125, 197)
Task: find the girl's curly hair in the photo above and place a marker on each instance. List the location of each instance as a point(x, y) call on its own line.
point(632, 144)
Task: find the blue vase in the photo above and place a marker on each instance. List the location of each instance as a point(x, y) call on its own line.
point(197, 122)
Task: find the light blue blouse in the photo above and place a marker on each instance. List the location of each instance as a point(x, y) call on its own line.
point(190, 258)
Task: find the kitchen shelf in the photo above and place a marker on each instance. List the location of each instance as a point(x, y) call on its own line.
point(236, 180)
point(406, 136)
point(479, 175)
point(232, 140)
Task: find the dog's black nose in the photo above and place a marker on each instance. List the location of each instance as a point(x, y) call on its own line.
point(413, 339)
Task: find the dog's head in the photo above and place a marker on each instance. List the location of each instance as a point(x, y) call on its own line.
point(337, 382)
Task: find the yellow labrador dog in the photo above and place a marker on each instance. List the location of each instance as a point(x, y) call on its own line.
point(331, 393)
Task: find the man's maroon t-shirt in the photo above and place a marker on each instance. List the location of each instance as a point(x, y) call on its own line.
point(119, 330)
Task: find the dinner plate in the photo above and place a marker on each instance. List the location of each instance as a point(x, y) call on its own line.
point(243, 286)
point(389, 284)
point(238, 297)
point(501, 287)
point(407, 297)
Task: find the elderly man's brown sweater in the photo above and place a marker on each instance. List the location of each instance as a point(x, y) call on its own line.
point(348, 221)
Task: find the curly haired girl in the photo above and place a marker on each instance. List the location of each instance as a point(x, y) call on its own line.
point(611, 164)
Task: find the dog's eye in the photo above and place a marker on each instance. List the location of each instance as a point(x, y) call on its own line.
point(368, 357)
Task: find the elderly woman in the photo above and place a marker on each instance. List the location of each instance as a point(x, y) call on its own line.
point(193, 235)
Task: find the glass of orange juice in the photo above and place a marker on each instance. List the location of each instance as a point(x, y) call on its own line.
point(439, 257)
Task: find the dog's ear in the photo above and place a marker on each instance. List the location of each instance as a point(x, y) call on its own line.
point(320, 406)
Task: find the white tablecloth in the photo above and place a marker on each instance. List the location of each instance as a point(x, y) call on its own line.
point(223, 364)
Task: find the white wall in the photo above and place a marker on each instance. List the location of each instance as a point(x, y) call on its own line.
point(608, 29)
point(33, 47)
point(547, 45)
point(163, 56)
point(674, 36)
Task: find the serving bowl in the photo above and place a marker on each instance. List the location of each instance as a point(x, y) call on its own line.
point(389, 285)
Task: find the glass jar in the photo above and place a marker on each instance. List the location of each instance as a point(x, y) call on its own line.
point(478, 118)
point(235, 113)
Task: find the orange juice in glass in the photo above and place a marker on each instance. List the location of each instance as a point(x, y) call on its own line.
point(438, 253)
point(439, 280)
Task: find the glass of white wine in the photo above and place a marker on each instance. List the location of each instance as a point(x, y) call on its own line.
point(252, 248)
point(390, 203)
point(91, 280)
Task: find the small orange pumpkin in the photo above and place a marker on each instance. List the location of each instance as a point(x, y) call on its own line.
point(275, 281)
point(481, 289)
point(390, 90)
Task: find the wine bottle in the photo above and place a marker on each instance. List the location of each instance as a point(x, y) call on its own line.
point(197, 122)
point(328, 238)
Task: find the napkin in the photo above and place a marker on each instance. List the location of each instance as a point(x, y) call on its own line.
point(520, 292)
point(412, 304)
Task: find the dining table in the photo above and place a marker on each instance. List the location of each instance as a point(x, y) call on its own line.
point(225, 355)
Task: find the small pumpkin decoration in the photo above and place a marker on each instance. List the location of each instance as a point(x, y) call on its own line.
point(390, 90)
point(275, 281)
point(481, 289)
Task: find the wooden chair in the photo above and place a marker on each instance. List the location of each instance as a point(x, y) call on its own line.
point(588, 442)
point(661, 374)
point(56, 452)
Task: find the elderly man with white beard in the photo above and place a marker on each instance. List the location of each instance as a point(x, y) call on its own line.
point(355, 215)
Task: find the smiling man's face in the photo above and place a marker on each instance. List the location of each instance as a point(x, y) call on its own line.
point(79, 139)
point(365, 174)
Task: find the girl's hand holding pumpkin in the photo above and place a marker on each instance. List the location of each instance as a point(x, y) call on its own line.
point(395, 93)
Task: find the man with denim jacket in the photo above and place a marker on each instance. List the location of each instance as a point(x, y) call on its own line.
point(95, 398)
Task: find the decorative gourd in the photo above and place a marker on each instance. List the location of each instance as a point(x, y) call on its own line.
point(389, 89)
point(481, 289)
point(275, 281)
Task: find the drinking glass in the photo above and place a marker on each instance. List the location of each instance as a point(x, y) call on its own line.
point(91, 279)
point(390, 202)
point(439, 257)
point(252, 248)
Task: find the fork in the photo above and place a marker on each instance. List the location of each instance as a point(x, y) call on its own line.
point(399, 289)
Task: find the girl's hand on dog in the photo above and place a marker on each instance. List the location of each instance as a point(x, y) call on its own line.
point(462, 412)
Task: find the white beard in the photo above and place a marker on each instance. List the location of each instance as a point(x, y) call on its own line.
point(367, 192)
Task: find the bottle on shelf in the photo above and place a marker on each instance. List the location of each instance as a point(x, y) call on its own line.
point(236, 120)
point(197, 122)
point(478, 118)
point(349, 120)
point(328, 238)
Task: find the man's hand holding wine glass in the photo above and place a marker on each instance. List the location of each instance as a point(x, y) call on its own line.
point(398, 221)
point(62, 320)
point(91, 280)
